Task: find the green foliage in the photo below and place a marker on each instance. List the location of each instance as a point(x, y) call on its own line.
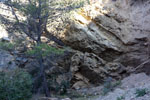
point(45, 50)
point(33, 7)
point(15, 85)
point(36, 13)
point(30, 9)
point(65, 84)
point(109, 86)
point(60, 86)
point(121, 98)
point(7, 46)
point(117, 83)
point(141, 92)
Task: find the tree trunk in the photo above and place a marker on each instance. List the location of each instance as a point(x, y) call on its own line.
point(43, 76)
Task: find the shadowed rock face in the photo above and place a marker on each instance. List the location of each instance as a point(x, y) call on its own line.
point(88, 68)
point(7, 61)
point(115, 31)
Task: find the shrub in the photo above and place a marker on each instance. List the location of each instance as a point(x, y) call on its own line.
point(15, 85)
point(121, 98)
point(141, 92)
point(6, 46)
point(109, 86)
point(45, 50)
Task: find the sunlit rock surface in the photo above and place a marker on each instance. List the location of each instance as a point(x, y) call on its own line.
point(3, 32)
point(113, 30)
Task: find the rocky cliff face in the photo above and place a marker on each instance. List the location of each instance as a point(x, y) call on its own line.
point(114, 31)
point(109, 38)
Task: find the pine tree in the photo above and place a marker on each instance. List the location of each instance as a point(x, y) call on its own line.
point(36, 13)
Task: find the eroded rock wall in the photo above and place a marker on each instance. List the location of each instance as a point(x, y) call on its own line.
point(110, 28)
point(114, 31)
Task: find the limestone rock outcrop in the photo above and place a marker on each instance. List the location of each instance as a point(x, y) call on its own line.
point(113, 30)
point(113, 36)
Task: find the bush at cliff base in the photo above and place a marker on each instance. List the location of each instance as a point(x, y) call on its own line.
point(15, 85)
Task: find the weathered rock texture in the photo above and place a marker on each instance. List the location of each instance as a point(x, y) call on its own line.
point(110, 36)
point(89, 68)
point(7, 61)
point(109, 31)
